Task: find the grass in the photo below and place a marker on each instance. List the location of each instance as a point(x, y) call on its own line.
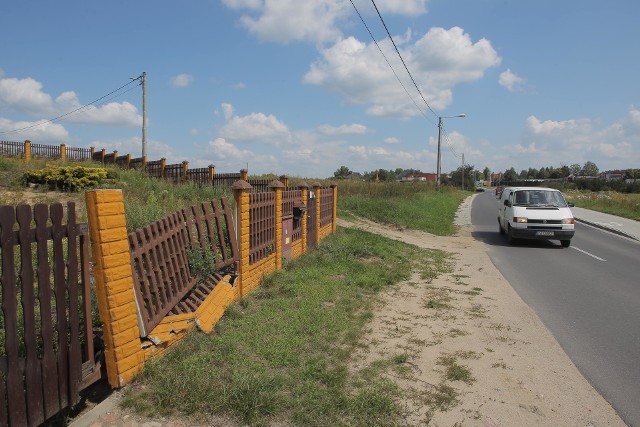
point(409, 205)
point(620, 204)
point(283, 352)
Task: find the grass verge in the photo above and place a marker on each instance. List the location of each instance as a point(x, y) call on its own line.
point(282, 353)
point(620, 204)
point(409, 205)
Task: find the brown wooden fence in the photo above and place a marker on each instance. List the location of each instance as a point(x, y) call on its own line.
point(163, 253)
point(262, 226)
point(47, 353)
point(326, 206)
point(12, 149)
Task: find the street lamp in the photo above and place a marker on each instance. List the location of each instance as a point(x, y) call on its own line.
point(439, 141)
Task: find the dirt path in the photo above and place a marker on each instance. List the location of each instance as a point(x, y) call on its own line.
point(468, 332)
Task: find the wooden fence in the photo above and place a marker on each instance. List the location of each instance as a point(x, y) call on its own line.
point(163, 253)
point(46, 325)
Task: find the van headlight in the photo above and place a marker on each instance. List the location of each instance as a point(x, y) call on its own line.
point(568, 221)
point(519, 219)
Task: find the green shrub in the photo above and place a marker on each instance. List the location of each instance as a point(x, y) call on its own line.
point(67, 178)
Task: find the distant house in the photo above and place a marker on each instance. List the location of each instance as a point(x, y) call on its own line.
point(423, 177)
point(612, 176)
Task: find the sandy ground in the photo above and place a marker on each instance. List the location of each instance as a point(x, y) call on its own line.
point(518, 374)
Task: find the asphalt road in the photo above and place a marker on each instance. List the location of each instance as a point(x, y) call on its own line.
point(587, 295)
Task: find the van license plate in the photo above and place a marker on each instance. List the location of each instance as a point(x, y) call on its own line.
point(544, 233)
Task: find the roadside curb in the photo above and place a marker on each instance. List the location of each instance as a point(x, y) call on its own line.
point(610, 229)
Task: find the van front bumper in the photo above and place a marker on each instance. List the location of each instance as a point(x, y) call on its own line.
point(545, 234)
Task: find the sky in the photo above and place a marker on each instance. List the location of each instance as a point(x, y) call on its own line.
point(303, 87)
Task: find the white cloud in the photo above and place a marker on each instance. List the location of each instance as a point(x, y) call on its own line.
point(182, 80)
point(227, 110)
point(392, 140)
point(226, 156)
point(511, 80)
point(255, 127)
point(352, 129)
point(240, 85)
point(26, 96)
point(43, 133)
point(438, 61)
point(273, 20)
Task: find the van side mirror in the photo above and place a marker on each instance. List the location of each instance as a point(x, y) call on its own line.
point(571, 205)
point(507, 202)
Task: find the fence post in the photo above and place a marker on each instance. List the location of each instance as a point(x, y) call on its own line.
point(27, 150)
point(285, 180)
point(103, 155)
point(124, 356)
point(144, 162)
point(128, 161)
point(304, 190)
point(244, 174)
point(93, 151)
point(63, 152)
point(163, 163)
point(277, 187)
point(115, 156)
point(334, 216)
point(212, 170)
point(185, 170)
point(241, 199)
point(316, 190)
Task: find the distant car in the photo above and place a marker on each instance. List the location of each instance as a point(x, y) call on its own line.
point(535, 213)
point(499, 189)
point(480, 189)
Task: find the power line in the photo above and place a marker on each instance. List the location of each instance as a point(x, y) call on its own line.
point(401, 59)
point(388, 63)
point(74, 111)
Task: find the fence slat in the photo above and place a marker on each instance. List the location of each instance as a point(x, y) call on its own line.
point(59, 286)
point(15, 390)
point(49, 370)
point(33, 376)
point(75, 358)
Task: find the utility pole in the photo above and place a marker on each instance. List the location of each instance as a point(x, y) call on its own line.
point(144, 114)
point(462, 171)
point(439, 143)
point(438, 168)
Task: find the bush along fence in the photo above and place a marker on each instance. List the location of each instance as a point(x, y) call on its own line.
point(177, 173)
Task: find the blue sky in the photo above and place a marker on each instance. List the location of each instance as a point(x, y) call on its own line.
point(299, 87)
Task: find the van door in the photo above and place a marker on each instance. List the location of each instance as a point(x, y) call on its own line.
point(505, 211)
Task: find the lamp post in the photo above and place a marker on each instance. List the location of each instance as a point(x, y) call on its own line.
point(439, 142)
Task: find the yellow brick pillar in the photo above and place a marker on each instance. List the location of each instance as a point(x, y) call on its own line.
point(334, 218)
point(316, 190)
point(115, 156)
point(185, 170)
point(241, 190)
point(27, 150)
point(163, 164)
point(93, 151)
point(114, 285)
point(212, 171)
point(304, 190)
point(128, 161)
point(63, 152)
point(277, 187)
point(285, 180)
point(244, 174)
point(103, 155)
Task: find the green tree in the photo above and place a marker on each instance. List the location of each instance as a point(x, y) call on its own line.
point(590, 169)
point(575, 169)
point(509, 175)
point(342, 172)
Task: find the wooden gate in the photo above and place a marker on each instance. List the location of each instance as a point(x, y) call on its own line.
point(46, 349)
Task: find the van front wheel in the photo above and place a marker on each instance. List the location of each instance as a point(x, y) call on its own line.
point(510, 238)
point(565, 243)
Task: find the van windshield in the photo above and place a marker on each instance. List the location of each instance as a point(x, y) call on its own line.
point(539, 198)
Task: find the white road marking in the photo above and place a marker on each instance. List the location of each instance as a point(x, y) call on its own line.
point(587, 253)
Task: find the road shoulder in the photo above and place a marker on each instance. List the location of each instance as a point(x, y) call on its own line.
point(518, 373)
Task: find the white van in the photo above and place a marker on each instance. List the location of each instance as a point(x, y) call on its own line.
point(535, 213)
